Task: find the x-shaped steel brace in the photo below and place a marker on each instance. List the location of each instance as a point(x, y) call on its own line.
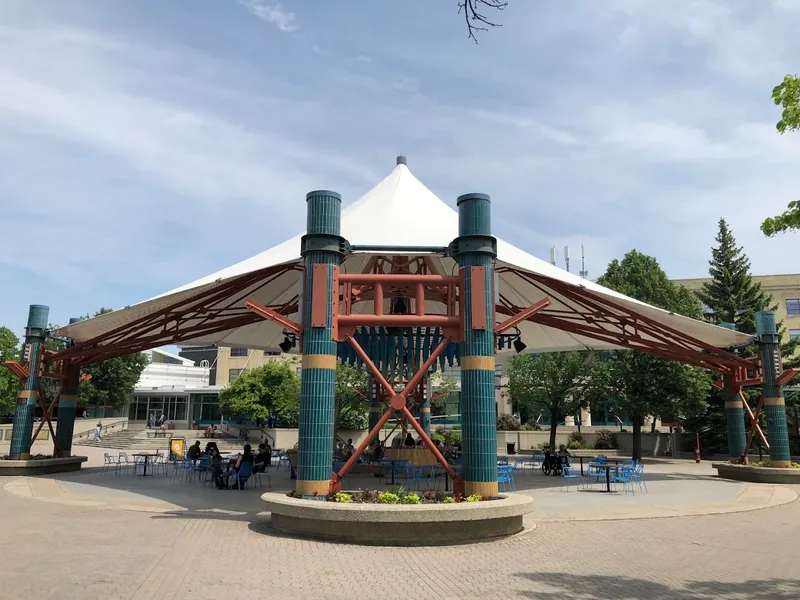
point(397, 405)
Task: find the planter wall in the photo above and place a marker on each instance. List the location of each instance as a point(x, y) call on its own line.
point(12, 468)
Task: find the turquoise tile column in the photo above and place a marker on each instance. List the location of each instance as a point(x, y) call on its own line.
point(28, 390)
point(425, 410)
point(374, 405)
point(67, 406)
point(774, 403)
point(734, 414)
point(475, 247)
point(322, 245)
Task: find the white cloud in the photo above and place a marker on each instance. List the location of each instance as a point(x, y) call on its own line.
point(272, 13)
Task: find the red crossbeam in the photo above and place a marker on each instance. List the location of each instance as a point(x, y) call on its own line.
point(522, 315)
point(271, 315)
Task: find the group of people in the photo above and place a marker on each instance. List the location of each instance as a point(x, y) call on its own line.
point(226, 475)
point(344, 451)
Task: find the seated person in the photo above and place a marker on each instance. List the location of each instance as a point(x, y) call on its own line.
point(207, 432)
point(338, 451)
point(410, 443)
point(210, 447)
point(245, 457)
point(397, 441)
point(262, 459)
point(564, 454)
point(193, 453)
point(377, 450)
point(215, 464)
point(349, 449)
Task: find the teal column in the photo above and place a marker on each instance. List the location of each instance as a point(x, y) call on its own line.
point(774, 403)
point(322, 250)
point(28, 390)
point(475, 247)
point(67, 406)
point(425, 409)
point(734, 413)
point(374, 405)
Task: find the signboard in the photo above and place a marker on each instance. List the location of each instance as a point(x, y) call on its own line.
point(177, 448)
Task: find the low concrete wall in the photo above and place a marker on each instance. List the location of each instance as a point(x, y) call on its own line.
point(11, 468)
point(398, 524)
point(758, 474)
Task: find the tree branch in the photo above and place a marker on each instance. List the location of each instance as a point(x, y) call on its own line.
point(475, 19)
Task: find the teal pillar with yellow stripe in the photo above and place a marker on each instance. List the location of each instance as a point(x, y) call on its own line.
point(67, 407)
point(28, 390)
point(322, 250)
point(774, 403)
point(374, 405)
point(425, 409)
point(475, 250)
point(734, 414)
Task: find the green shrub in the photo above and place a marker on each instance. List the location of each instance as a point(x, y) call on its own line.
point(452, 437)
point(449, 500)
point(606, 440)
point(576, 436)
point(543, 445)
point(436, 438)
point(411, 499)
point(575, 445)
point(475, 498)
point(531, 426)
point(342, 497)
point(507, 423)
point(389, 498)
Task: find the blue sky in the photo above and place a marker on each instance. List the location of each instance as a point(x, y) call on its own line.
point(145, 144)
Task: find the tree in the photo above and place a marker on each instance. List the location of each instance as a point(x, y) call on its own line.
point(787, 96)
point(352, 408)
point(9, 350)
point(112, 381)
point(641, 383)
point(557, 381)
point(475, 16)
point(257, 393)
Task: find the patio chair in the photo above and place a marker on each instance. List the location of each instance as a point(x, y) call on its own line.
point(422, 476)
point(125, 463)
point(160, 464)
point(625, 477)
point(109, 462)
point(199, 467)
point(569, 475)
point(283, 461)
point(505, 478)
point(638, 475)
point(244, 475)
point(519, 464)
point(259, 471)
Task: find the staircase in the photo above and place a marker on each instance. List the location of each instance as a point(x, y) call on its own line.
point(138, 440)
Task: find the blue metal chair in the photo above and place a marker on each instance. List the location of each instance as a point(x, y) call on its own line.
point(568, 475)
point(244, 475)
point(638, 475)
point(625, 477)
point(505, 478)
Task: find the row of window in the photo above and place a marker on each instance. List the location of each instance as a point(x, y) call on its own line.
point(793, 307)
point(244, 352)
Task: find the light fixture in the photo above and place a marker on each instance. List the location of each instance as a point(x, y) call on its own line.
point(399, 306)
point(287, 344)
point(519, 345)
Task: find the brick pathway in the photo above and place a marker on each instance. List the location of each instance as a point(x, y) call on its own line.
point(67, 552)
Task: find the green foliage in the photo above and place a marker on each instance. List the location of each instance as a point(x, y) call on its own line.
point(640, 383)
point(531, 426)
point(255, 394)
point(544, 445)
point(449, 500)
point(559, 382)
point(575, 445)
point(507, 423)
point(411, 499)
point(577, 436)
point(606, 440)
point(787, 96)
point(9, 350)
point(389, 498)
point(352, 408)
point(474, 498)
point(451, 437)
point(342, 497)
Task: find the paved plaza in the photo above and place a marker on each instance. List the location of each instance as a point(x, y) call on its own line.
point(90, 535)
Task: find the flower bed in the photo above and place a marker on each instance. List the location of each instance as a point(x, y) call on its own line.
point(32, 457)
point(399, 496)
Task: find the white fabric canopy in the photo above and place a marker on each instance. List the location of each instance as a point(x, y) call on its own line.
point(399, 211)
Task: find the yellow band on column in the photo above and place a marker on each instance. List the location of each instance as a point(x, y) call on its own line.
point(313, 488)
point(319, 361)
point(733, 404)
point(28, 394)
point(425, 410)
point(780, 464)
point(487, 489)
point(67, 397)
point(774, 402)
point(477, 363)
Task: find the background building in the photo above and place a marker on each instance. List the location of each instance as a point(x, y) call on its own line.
point(232, 362)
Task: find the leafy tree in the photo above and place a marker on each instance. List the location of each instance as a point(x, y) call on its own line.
point(352, 408)
point(9, 350)
point(112, 381)
point(787, 96)
point(257, 393)
point(558, 381)
point(641, 383)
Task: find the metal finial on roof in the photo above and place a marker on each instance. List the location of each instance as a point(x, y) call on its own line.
point(402, 160)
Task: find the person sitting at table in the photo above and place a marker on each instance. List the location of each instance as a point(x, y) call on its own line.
point(194, 451)
point(397, 442)
point(564, 454)
point(338, 450)
point(410, 441)
point(207, 432)
point(215, 464)
point(262, 459)
point(209, 447)
point(244, 457)
point(377, 450)
point(349, 449)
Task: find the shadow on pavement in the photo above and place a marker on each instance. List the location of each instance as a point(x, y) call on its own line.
point(602, 587)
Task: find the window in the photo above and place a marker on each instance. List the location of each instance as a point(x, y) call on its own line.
point(238, 351)
point(793, 307)
point(272, 352)
point(205, 364)
point(234, 373)
point(794, 334)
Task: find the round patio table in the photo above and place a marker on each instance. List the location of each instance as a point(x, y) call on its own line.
point(607, 468)
point(147, 456)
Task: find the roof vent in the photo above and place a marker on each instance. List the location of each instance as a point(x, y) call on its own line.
point(402, 160)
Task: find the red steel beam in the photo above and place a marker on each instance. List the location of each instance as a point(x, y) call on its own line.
point(370, 365)
point(366, 320)
point(522, 315)
point(431, 446)
point(753, 426)
point(753, 420)
point(394, 279)
point(336, 478)
point(271, 315)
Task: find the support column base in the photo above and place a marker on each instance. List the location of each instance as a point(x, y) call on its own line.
point(312, 488)
point(780, 464)
point(487, 489)
point(24, 456)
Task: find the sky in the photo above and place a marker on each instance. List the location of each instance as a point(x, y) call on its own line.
point(146, 144)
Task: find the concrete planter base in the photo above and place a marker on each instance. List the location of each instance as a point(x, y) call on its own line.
point(758, 474)
point(396, 524)
point(41, 467)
